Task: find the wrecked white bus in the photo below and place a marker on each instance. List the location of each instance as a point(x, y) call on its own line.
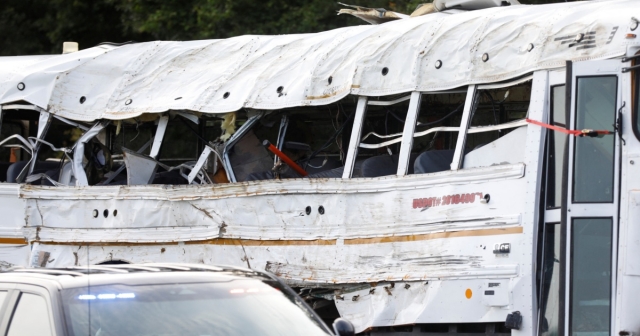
point(463, 171)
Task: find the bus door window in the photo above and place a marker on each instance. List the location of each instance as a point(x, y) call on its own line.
point(590, 300)
point(551, 277)
point(552, 257)
point(556, 143)
point(594, 156)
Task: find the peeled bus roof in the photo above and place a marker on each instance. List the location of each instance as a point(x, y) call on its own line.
point(429, 53)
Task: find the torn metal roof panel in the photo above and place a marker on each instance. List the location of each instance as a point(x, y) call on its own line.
point(273, 72)
point(371, 15)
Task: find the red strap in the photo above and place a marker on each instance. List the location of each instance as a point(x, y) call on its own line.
point(580, 133)
point(284, 158)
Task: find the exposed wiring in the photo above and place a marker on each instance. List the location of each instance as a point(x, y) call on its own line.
point(137, 130)
point(333, 137)
point(493, 107)
point(457, 109)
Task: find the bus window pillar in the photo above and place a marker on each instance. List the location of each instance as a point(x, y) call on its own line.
point(157, 139)
point(354, 142)
point(407, 133)
point(469, 107)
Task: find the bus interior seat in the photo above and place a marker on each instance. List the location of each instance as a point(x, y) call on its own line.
point(169, 177)
point(41, 167)
point(433, 161)
point(337, 172)
point(54, 174)
point(315, 165)
point(4, 166)
point(286, 173)
point(320, 173)
point(249, 156)
point(318, 164)
point(384, 165)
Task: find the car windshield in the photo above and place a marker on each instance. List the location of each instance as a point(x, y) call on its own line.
point(237, 307)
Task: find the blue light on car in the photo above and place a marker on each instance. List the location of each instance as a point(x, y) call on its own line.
point(126, 296)
point(107, 296)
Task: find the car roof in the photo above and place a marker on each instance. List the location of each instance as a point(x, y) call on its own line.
point(128, 274)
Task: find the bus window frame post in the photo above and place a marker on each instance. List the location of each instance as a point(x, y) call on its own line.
point(354, 142)
point(407, 133)
point(469, 105)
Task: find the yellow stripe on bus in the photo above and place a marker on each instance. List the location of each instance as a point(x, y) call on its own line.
point(300, 242)
point(13, 241)
point(435, 235)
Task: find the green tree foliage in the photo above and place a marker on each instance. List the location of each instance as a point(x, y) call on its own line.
point(205, 19)
point(40, 26)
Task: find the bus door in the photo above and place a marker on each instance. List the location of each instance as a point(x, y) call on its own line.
point(590, 209)
point(579, 231)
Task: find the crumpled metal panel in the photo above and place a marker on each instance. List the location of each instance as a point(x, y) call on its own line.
point(376, 229)
point(435, 301)
point(272, 72)
point(278, 208)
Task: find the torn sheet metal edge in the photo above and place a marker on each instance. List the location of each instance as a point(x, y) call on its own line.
point(296, 274)
point(288, 186)
point(332, 264)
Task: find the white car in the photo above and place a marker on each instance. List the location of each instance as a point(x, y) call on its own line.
point(153, 300)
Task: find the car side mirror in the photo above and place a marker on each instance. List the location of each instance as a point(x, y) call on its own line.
point(343, 327)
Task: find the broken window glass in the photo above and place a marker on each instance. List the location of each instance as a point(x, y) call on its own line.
point(314, 138)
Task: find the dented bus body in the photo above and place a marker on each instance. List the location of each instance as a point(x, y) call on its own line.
point(460, 169)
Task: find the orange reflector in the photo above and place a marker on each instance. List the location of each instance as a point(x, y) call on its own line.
point(631, 36)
